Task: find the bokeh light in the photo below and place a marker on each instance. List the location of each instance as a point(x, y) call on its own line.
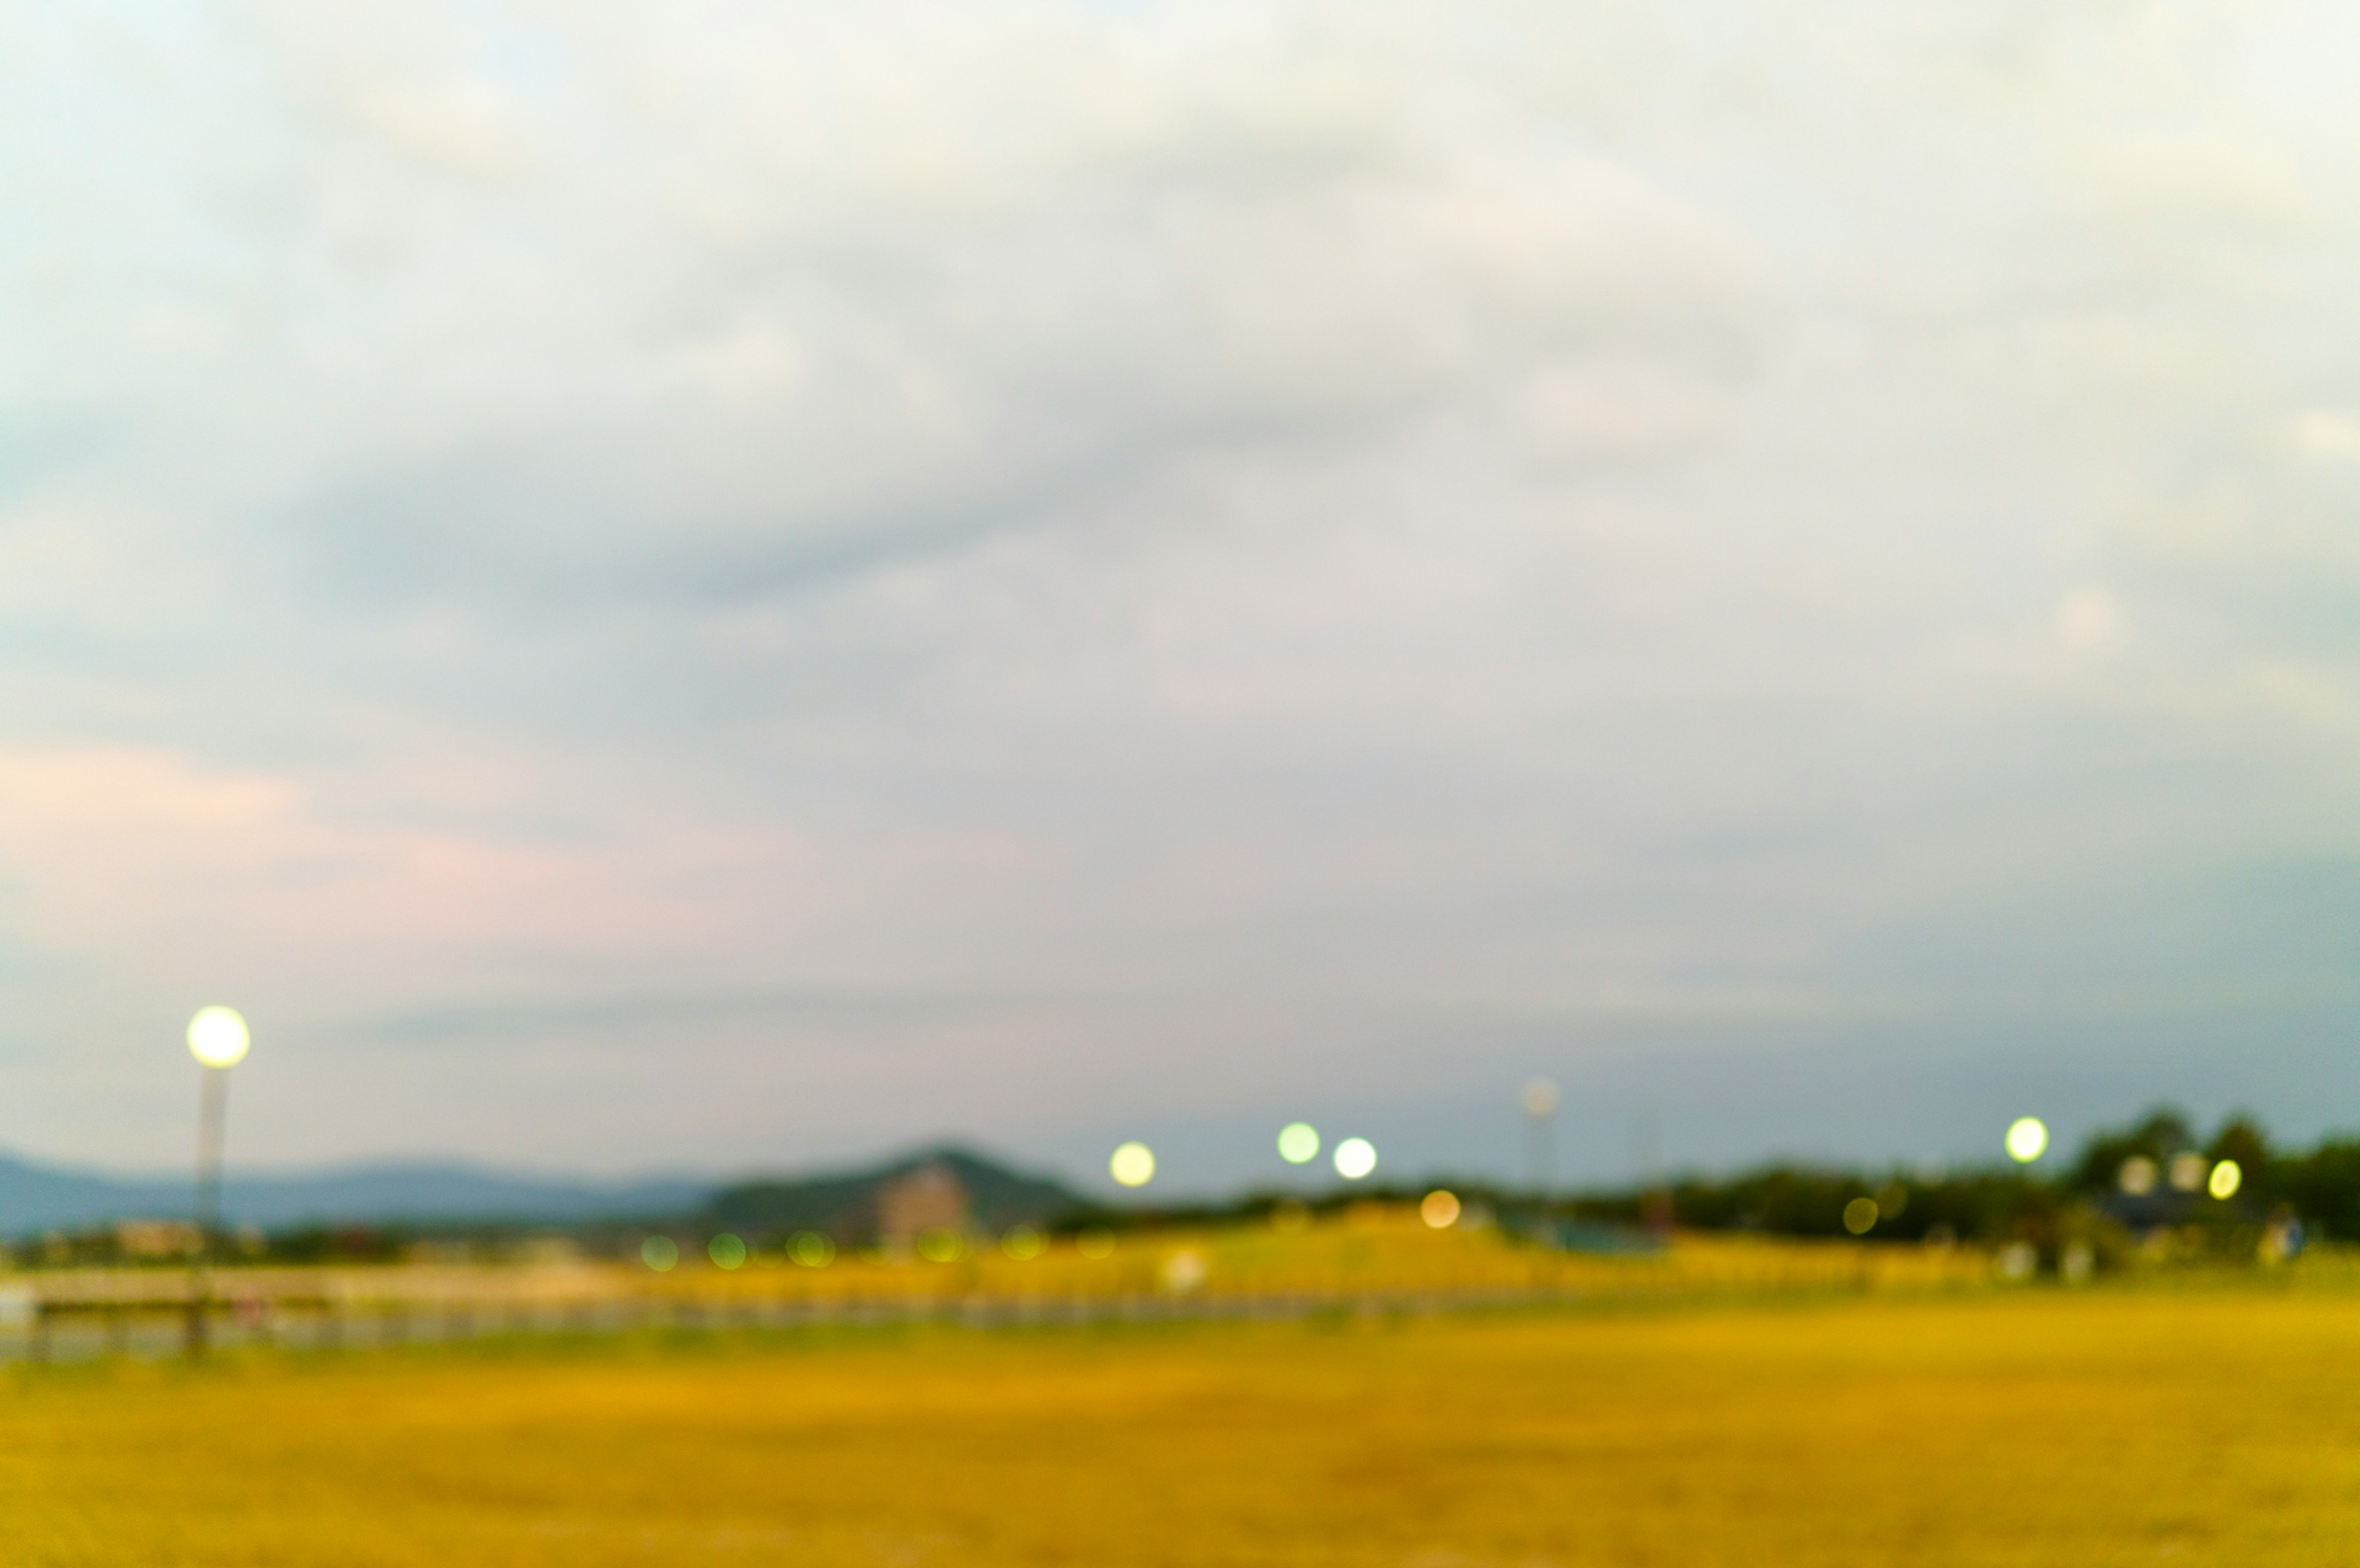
point(2189, 1170)
point(1133, 1164)
point(2137, 1176)
point(1538, 1098)
point(218, 1037)
point(811, 1249)
point(1355, 1158)
point(660, 1253)
point(942, 1245)
point(1095, 1244)
point(1859, 1215)
point(2027, 1139)
point(1299, 1143)
point(1185, 1270)
point(2225, 1179)
point(1439, 1208)
point(1024, 1243)
point(726, 1251)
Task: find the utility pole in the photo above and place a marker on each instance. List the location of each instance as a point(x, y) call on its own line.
point(1539, 1099)
point(1655, 1198)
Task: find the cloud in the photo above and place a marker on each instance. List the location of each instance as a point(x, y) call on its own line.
point(945, 294)
point(899, 373)
point(1282, 535)
point(2327, 433)
point(470, 131)
point(2091, 618)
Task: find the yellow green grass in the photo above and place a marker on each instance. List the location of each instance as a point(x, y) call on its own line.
point(1376, 1249)
point(2216, 1424)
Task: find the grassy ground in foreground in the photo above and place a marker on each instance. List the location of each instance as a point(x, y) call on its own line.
point(2034, 1427)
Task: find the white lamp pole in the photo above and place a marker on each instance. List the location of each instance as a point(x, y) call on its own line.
point(1539, 1101)
point(218, 1039)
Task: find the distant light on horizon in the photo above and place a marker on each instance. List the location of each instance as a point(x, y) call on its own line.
point(218, 1037)
point(2027, 1139)
point(1185, 1270)
point(1355, 1158)
point(1133, 1164)
point(1299, 1143)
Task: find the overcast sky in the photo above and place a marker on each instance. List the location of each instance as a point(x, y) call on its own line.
point(727, 584)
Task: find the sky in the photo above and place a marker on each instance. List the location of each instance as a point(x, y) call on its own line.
point(729, 585)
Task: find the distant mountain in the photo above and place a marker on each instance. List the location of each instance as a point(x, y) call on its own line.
point(844, 1204)
point(442, 1191)
point(35, 1197)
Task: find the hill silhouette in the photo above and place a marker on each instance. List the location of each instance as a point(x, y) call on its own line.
point(43, 1197)
point(35, 1196)
point(843, 1203)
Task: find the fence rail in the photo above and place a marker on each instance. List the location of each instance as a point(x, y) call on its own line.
point(148, 1313)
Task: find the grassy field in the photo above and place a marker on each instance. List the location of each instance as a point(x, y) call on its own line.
point(1374, 1249)
point(2038, 1426)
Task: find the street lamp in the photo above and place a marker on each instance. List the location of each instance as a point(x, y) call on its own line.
point(1133, 1164)
point(1539, 1100)
point(219, 1040)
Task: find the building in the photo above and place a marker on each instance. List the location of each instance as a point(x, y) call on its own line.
point(930, 1198)
point(155, 1239)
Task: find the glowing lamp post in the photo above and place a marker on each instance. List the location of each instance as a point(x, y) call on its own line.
point(1133, 1164)
point(219, 1040)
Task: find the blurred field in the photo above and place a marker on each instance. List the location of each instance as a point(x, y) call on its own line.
point(1989, 1427)
point(1382, 1253)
